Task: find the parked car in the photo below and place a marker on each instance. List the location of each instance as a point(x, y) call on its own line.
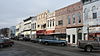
point(51, 40)
point(13, 37)
point(5, 42)
point(16, 38)
point(26, 39)
point(21, 39)
point(89, 45)
point(35, 40)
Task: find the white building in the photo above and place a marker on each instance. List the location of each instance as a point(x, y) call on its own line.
point(27, 27)
point(91, 18)
point(33, 27)
point(50, 23)
point(19, 28)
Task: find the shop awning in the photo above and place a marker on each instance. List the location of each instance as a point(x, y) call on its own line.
point(50, 32)
point(41, 32)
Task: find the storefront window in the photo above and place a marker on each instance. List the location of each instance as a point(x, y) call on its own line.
point(69, 38)
point(73, 38)
point(79, 36)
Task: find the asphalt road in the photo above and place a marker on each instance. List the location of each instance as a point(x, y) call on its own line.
point(22, 48)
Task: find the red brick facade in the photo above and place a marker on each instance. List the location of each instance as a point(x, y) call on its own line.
point(63, 13)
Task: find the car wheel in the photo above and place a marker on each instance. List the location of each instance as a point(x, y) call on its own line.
point(62, 44)
point(10, 45)
point(46, 43)
point(1, 46)
point(88, 49)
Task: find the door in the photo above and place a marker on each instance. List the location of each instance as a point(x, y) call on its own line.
point(96, 43)
point(73, 38)
point(99, 42)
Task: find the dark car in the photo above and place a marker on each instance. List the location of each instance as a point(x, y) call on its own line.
point(89, 45)
point(51, 40)
point(5, 42)
point(26, 39)
point(35, 40)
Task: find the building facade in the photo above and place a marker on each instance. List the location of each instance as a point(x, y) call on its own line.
point(50, 23)
point(61, 22)
point(74, 23)
point(41, 23)
point(19, 29)
point(91, 18)
point(27, 27)
point(33, 27)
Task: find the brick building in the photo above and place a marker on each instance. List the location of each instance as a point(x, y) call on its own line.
point(69, 22)
point(74, 23)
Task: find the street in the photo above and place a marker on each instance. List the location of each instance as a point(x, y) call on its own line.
point(22, 48)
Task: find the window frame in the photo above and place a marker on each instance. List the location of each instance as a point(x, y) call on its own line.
point(60, 22)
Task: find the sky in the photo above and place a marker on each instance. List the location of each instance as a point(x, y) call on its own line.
point(14, 11)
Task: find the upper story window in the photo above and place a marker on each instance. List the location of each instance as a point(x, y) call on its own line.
point(94, 12)
point(43, 26)
point(73, 19)
point(79, 7)
point(93, 8)
point(48, 23)
point(85, 13)
point(88, 1)
point(68, 19)
point(53, 22)
point(79, 17)
point(60, 22)
point(94, 15)
point(38, 26)
point(35, 25)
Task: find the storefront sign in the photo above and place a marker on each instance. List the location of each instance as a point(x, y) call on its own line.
point(50, 31)
point(94, 29)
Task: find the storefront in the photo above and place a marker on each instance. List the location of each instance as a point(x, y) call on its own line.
point(73, 35)
point(40, 33)
point(94, 32)
point(60, 33)
point(27, 33)
point(33, 34)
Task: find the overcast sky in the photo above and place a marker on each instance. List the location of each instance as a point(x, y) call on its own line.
point(13, 11)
